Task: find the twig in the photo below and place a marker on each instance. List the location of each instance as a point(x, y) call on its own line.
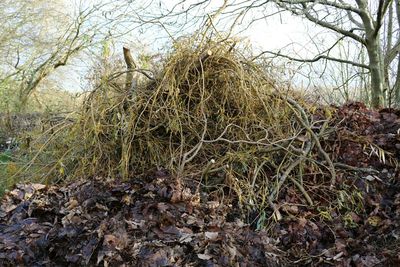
point(352, 168)
point(283, 177)
point(304, 122)
point(303, 191)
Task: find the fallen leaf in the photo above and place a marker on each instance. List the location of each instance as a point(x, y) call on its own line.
point(211, 235)
point(38, 186)
point(374, 220)
point(73, 203)
point(204, 256)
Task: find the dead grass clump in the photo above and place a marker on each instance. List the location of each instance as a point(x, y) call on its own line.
point(211, 115)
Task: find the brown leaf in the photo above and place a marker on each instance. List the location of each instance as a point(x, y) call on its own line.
point(8, 208)
point(162, 207)
point(111, 240)
point(73, 203)
point(204, 256)
point(38, 186)
point(211, 235)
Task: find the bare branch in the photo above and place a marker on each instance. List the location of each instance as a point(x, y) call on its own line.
point(304, 10)
point(315, 59)
point(352, 19)
point(382, 8)
point(341, 5)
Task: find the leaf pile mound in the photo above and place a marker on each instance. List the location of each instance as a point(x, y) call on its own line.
point(362, 132)
point(143, 222)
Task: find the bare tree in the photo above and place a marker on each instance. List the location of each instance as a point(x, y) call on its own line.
point(38, 38)
point(357, 21)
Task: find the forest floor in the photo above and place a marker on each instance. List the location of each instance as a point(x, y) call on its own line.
point(151, 220)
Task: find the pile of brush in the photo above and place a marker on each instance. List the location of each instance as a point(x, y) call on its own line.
point(210, 115)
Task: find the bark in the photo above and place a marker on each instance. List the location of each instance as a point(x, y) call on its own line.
point(377, 77)
point(388, 45)
point(397, 83)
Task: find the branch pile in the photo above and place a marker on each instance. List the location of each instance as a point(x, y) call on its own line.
point(209, 115)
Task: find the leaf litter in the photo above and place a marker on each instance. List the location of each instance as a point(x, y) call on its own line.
point(90, 223)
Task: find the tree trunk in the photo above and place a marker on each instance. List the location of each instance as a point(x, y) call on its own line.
point(376, 66)
point(373, 47)
point(388, 46)
point(377, 77)
point(397, 83)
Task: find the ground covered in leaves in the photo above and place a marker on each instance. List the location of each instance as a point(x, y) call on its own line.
point(153, 220)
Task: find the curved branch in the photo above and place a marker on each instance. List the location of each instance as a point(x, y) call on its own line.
point(352, 19)
point(334, 27)
point(304, 10)
point(315, 59)
point(335, 4)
